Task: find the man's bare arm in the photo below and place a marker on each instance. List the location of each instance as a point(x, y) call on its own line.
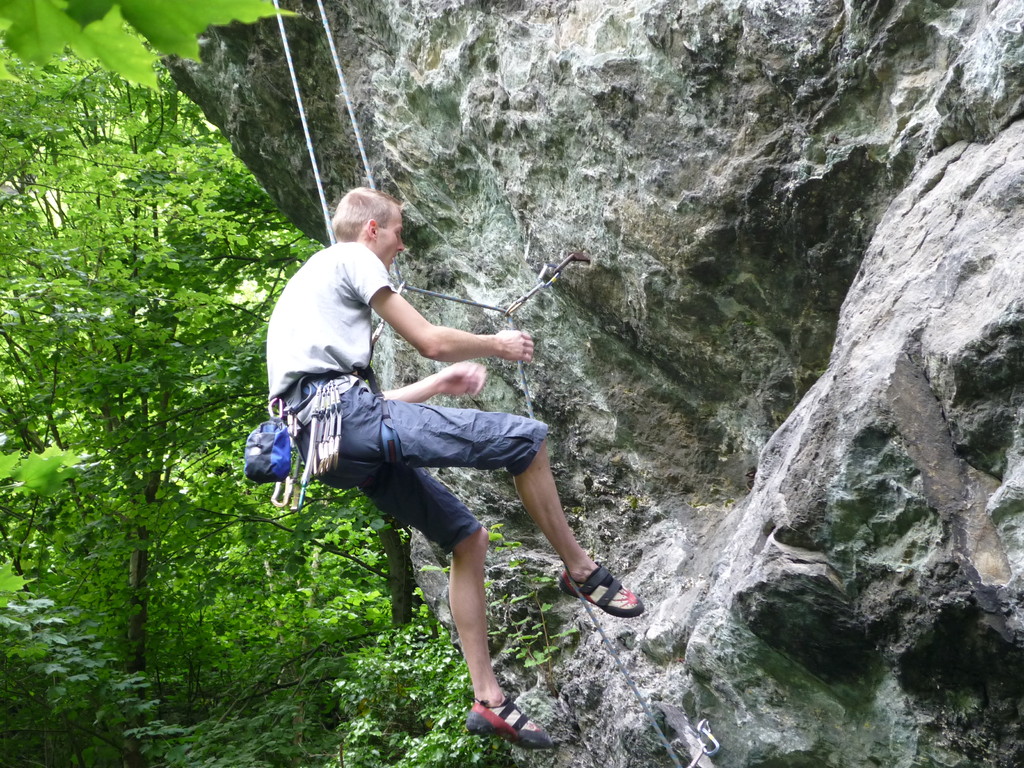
point(448, 345)
point(458, 379)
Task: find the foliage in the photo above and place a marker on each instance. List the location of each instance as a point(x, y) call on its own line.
point(398, 701)
point(37, 30)
point(526, 634)
point(37, 473)
point(57, 669)
point(153, 609)
point(403, 699)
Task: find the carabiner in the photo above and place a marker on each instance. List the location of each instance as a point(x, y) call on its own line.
point(704, 732)
point(282, 495)
point(281, 407)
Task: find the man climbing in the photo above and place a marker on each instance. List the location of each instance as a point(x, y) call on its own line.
point(318, 356)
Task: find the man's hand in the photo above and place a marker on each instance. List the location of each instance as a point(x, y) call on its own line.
point(461, 379)
point(447, 345)
point(515, 345)
point(458, 379)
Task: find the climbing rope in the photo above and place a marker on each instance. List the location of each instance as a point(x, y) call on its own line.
point(305, 123)
point(709, 745)
point(344, 92)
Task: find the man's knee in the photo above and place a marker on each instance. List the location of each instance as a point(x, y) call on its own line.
point(539, 460)
point(475, 543)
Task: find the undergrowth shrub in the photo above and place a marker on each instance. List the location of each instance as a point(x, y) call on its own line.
point(403, 703)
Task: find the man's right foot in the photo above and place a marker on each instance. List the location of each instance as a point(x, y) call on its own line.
point(507, 721)
point(605, 591)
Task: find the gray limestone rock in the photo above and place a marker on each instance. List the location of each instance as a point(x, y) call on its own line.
point(785, 397)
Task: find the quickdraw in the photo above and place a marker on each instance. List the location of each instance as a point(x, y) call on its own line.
point(325, 429)
point(708, 743)
point(548, 274)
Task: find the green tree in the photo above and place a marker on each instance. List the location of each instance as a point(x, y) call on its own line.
point(37, 30)
point(131, 333)
point(157, 610)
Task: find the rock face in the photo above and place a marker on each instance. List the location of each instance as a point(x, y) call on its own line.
point(786, 397)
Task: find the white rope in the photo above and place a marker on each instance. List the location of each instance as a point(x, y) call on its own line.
point(305, 125)
point(344, 92)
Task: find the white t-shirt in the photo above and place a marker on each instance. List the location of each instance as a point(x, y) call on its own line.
point(322, 321)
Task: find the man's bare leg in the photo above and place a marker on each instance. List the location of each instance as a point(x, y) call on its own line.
point(494, 715)
point(537, 490)
point(469, 611)
point(536, 487)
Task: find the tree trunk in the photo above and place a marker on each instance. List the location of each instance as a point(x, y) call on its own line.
point(138, 566)
point(132, 756)
point(400, 581)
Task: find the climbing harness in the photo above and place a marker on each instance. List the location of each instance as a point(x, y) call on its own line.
point(549, 273)
point(325, 422)
point(709, 745)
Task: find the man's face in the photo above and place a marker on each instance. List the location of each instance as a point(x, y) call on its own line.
point(388, 243)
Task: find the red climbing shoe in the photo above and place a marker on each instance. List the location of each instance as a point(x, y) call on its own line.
point(508, 722)
point(605, 591)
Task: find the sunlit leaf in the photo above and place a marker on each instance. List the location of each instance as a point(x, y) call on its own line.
point(106, 41)
point(173, 26)
point(7, 463)
point(39, 28)
point(42, 473)
point(9, 580)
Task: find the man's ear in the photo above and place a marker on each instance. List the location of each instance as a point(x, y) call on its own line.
point(371, 228)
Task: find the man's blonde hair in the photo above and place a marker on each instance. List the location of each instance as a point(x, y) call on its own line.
point(358, 207)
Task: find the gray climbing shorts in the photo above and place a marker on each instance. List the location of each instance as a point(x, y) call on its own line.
point(430, 436)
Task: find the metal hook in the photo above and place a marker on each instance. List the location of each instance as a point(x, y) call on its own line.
point(705, 735)
point(282, 495)
point(547, 275)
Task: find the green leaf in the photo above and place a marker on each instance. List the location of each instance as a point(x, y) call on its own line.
point(106, 41)
point(7, 463)
point(43, 472)
point(87, 11)
point(39, 28)
point(9, 580)
point(173, 26)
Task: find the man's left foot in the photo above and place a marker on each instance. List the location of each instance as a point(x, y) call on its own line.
point(507, 721)
point(605, 591)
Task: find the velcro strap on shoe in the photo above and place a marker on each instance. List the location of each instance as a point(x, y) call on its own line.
point(601, 587)
point(511, 714)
